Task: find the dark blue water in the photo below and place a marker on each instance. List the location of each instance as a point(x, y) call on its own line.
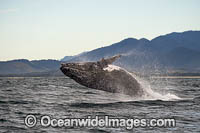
point(62, 97)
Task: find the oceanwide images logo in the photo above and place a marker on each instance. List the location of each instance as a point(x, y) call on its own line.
point(97, 121)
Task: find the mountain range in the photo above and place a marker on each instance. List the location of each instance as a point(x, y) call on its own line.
point(26, 67)
point(174, 52)
point(170, 52)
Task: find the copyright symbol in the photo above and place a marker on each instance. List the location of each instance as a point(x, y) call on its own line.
point(30, 121)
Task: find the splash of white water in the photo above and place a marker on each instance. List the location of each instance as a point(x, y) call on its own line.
point(149, 93)
point(153, 95)
point(111, 68)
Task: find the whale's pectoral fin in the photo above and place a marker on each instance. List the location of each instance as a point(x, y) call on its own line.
point(104, 62)
point(112, 59)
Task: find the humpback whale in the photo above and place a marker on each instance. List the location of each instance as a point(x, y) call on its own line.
point(102, 75)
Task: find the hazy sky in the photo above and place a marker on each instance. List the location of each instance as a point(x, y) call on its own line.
point(43, 29)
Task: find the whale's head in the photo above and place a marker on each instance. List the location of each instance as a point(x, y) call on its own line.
point(79, 70)
point(82, 72)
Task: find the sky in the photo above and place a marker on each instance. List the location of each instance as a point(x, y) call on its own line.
point(52, 29)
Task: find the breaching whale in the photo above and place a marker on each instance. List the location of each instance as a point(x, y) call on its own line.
point(102, 75)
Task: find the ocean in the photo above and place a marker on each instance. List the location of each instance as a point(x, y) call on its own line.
point(60, 97)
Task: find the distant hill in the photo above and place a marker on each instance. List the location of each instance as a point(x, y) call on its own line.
point(166, 43)
point(172, 51)
point(67, 58)
point(25, 66)
point(181, 57)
